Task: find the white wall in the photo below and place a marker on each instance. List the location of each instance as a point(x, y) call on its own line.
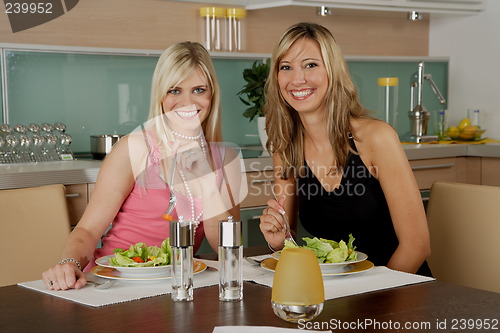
point(473, 44)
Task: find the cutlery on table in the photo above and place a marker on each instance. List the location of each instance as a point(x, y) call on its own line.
point(102, 285)
point(254, 261)
point(173, 199)
point(288, 233)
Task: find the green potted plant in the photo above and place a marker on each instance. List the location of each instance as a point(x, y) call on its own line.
point(255, 78)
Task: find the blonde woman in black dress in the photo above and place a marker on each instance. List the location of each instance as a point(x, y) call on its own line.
point(341, 170)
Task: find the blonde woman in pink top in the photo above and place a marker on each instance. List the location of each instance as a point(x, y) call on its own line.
point(132, 191)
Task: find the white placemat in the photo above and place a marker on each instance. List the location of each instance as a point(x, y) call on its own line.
point(122, 291)
point(258, 329)
point(377, 278)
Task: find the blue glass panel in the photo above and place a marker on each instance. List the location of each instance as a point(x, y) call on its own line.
point(366, 73)
point(109, 94)
point(91, 94)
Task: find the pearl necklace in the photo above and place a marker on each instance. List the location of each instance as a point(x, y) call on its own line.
point(193, 138)
point(195, 219)
point(187, 137)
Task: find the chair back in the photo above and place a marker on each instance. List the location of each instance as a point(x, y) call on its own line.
point(464, 226)
point(34, 225)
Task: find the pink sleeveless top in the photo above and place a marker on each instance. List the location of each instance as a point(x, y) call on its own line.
point(140, 216)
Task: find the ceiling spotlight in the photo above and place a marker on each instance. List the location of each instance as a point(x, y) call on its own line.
point(414, 16)
point(324, 11)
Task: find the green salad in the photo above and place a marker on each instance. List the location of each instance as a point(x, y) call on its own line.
point(328, 251)
point(140, 255)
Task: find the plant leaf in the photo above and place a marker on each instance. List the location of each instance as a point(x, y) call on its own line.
point(255, 78)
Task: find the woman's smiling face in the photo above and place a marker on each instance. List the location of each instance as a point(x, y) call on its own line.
point(302, 76)
point(189, 101)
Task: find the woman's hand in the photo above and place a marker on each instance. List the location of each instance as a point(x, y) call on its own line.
point(63, 277)
point(272, 223)
point(192, 160)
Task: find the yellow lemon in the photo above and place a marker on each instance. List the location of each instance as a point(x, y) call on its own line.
point(464, 123)
point(453, 132)
point(469, 132)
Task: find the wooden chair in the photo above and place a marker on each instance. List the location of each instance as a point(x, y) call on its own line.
point(34, 226)
point(464, 224)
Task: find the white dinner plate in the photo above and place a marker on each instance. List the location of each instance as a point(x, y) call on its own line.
point(112, 272)
point(359, 267)
point(135, 272)
point(331, 268)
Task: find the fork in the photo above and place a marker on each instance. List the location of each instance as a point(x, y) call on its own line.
point(173, 199)
point(254, 261)
point(103, 285)
point(288, 233)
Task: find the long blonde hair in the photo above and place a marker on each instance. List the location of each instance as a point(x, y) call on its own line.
point(175, 64)
point(283, 125)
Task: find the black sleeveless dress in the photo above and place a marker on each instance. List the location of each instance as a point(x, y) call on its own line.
point(357, 207)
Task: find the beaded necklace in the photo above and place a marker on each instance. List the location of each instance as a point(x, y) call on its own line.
point(195, 219)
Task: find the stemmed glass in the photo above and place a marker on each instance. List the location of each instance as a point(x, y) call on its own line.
point(298, 292)
point(64, 142)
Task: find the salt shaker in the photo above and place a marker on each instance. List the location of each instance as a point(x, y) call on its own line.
point(181, 241)
point(230, 260)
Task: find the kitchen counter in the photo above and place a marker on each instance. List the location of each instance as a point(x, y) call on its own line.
point(46, 173)
point(85, 171)
point(487, 150)
point(426, 151)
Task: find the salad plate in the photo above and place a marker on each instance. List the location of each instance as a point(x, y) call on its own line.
point(333, 268)
point(114, 272)
point(135, 272)
point(351, 268)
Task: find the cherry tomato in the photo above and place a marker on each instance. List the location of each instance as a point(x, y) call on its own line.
point(167, 217)
point(138, 259)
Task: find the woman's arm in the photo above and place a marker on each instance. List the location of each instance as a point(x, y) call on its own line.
point(272, 222)
point(114, 183)
point(381, 149)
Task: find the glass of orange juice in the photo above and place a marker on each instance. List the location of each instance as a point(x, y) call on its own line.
point(298, 292)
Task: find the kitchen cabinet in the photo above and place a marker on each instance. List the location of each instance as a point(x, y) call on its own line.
point(458, 5)
point(490, 168)
point(259, 189)
point(453, 169)
point(426, 6)
point(76, 198)
point(259, 192)
point(90, 189)
point(426, 171)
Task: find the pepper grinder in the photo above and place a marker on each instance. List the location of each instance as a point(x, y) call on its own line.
point(230, 260)
point(181, 241)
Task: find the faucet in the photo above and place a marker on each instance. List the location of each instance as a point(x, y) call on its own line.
point(419, 115)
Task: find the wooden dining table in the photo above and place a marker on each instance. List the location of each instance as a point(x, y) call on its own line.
point(425, 307)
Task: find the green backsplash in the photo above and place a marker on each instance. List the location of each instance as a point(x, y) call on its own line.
point(109, 94)
point(366, 73)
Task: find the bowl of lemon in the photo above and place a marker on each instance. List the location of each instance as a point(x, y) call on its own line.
point(465, 131)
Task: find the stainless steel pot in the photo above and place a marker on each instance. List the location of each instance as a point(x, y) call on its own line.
point(100, 145)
